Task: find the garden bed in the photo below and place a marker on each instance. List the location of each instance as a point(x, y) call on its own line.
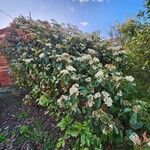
point(24, 127)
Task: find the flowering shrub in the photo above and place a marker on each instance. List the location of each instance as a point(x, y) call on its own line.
point(77, 77)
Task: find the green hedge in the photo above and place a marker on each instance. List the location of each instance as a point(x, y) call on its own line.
point(77, 77)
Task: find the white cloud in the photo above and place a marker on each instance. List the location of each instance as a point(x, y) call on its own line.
point(84, 23)
point(84, 1)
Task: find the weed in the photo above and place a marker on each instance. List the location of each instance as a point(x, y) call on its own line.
point(2, 138)
point(25, 131)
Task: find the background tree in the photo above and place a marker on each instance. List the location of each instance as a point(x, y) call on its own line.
point(135, 38)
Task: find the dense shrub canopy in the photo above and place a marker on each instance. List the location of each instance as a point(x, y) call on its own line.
point(77, 77)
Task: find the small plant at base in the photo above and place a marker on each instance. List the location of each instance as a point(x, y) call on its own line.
point(2, 138)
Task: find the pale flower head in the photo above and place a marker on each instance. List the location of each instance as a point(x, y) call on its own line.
point(91, 51)
point(136, 108)
point(76, 85)
point(94, 67)
point(117, 78)
point(104, 131)
point(148, 143)
point(85, 57)
point(58, 58)
point(91, 61)
point(129, 78)
point(90, 101)
point(99, 74)
point(41, 55)
point(65, 55)
point(107, 99)
point(97, 95)
point(95, 60)
point(135, 138)
point(105, 94)
point(61, 100)
point(63, 72)
point(58, 46)
point(74, 90)
point(110, 126)
point(110, 67)
point(74, 77)
point(27, 61)
point(119, 93)
point(70, 68)
point(118, 59)
point(88, 79)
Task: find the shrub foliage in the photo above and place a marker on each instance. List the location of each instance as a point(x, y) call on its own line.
point(77, 76)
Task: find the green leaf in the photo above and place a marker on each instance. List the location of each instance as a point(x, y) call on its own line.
point(83, 89)
point(61, 143)
point(44, 101)
point(137, 125)
point(133, 119)
point(127, 110)
point(74, 133)
point(116, 130)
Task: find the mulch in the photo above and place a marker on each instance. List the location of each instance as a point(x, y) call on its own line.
point(10, 105)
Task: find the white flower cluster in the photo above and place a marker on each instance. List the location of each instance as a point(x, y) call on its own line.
point(136, 108)
point(119, 93)
point(90, 98)
point(64, 56)
point(70, 68)
point(74, 77)
point(88, 79)
point(58, 46)
point(41, 55)
point(135, 138)
point(94, 67)
point(107, 99)
point(99, 75)
point(61, 100)
point(117, 78)
point(93, 61)
point(90, 101)
point(97, 95)
point(91, 51)
point(27, 61)
point(63, 72)
point(85, 57)
point(110, 67)
point(129, 78)
point(74, 90)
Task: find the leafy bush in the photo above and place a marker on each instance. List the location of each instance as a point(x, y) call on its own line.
point(136, 38)
point(77, 77)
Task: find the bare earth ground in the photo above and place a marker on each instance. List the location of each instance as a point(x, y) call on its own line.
point(24, 127)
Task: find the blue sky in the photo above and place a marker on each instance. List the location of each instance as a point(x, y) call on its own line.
point(88, 15)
